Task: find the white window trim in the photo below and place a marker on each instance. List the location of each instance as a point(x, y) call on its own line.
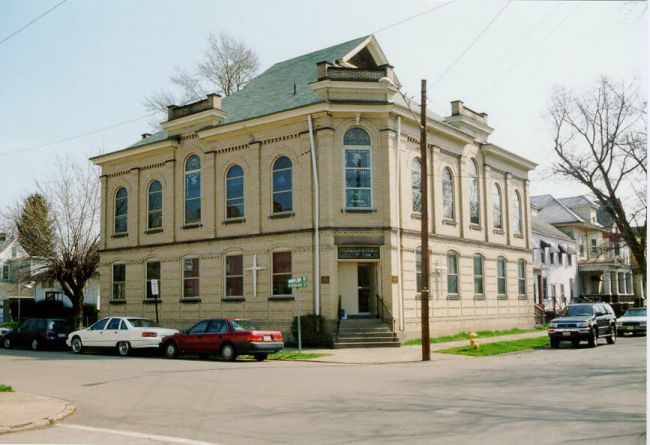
point(149, 211)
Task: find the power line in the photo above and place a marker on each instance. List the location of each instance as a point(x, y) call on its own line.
point(32, 22)
point(415, 16)
point(34, 147)
point(476, 39)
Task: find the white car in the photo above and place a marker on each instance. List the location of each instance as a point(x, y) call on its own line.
point(122, 333)
point(632, 322)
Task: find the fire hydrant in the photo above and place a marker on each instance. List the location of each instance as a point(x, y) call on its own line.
point(473, 343)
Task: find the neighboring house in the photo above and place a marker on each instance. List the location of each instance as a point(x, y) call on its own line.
point(555, 265)
point(15, 275)
point(604, 272)
point(52, 291)
point(220, 206)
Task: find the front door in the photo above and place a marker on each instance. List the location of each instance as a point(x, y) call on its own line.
point(364, 287)
point(357, 287)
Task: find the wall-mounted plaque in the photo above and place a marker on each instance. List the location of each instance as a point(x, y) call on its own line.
point(358, 253)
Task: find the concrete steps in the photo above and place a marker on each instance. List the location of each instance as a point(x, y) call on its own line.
point(365, 333)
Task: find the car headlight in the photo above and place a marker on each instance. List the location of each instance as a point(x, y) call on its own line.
point(552, 325)
point(586, 324)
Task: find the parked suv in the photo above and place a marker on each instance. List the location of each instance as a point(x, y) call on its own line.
point(587, 321)
point(38, 333)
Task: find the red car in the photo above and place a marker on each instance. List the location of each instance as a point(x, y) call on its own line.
point(228, 337)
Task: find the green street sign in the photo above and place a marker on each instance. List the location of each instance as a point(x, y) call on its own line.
point(298, 282)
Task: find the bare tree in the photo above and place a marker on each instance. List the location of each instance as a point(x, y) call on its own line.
point(600, 139)
point(227, 65)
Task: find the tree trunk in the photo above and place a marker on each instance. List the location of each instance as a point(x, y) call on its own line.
point(78, 309)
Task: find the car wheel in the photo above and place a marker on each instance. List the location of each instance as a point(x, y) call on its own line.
point(612, 336)
point(7, 343)
point(76, 345)
point(123, 348)
point(170, 350)
point(575, 343)
point(592, 339)
point(555, 343)
point(228, 352)
point(260, 357)
point(34, 344)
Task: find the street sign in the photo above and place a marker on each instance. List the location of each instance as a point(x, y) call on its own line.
point(298, 282)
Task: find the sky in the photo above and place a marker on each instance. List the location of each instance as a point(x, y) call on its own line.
point(88, 65)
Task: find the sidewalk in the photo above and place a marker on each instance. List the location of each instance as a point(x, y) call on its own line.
point(20, 411)
point(404, 354)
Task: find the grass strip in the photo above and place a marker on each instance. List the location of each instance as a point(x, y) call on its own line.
point(501, 347)
point(8, 324)
point(481, 334)
point(296, 355)
point(6, 388)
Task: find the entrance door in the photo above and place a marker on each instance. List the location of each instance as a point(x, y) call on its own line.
point(357, 287)
point(364, 287)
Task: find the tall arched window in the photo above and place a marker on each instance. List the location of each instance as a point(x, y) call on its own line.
point(501, 276)
point(193, 190)
point(517, 213)
point(496, 207)
point(154, 205)
point(447, 194)
point(235, 192)
point(474, 204)
point(282, 185)
point(358, 169)
point(121, 210)
point(416, 184)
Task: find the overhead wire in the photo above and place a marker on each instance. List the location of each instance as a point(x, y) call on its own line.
point(414, 16)
point(27, 25)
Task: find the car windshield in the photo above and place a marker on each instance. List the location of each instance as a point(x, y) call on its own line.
point(635, 313)
point(142, 323)
point(579, 311)
point(245, 325)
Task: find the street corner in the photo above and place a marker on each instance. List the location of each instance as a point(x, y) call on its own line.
point(22, 411)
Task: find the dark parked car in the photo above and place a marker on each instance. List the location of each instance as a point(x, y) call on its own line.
point(225, 336)
point(39, 333)
point(588, 321)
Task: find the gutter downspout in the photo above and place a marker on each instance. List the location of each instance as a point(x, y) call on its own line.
point(400, 290)
point(316, 222)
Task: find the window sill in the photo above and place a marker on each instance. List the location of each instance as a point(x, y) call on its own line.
point(475, 226)
point(234, 221)
point(449, 222)
point(282, 298)
point(523, 297)
point(120, 235)
point(152, 300)
point(191, 300)
point(518, 235)
point(498, 231)
point(233, 299)
point(152, 231)
point(117, 302)
point(358, 210)
point(416, 215)
point(479, 297)
point(281, 215)
point(453, 297)
point(502, 297)
point(192, 226)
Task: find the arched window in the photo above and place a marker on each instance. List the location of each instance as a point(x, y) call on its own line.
point(193, 190)
point(121, 210)
point(447, 194)
point(517, 213)
point(416, 184)
point(154, 206)
point(358, 170)
point(474, 204)
point(235, 192)
point(501, 276)
point(282, 185)
point(452, 273)
point(522, 277)
point(478, 274)
point(496, 207)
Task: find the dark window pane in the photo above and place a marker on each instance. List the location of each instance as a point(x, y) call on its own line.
point(282, 202)
point(281, 163)
point(192, 210)
point(119, 272)
point(235, 171)
point(357, 198)
point(357, 158)
point(193, 163)
point(120, 224)
point(235, 188)
point(121, 206)
point(357, 178)
point(282, 181)
point(193, 185)
point(452, 284)
point(281, 262)
point(155, 201)
point(235, 265)
point(235, 209)
point(155, 220)
point(281, 284)
point(190, 287)
point(155, 187)
point(234, 286)
point(356, 136)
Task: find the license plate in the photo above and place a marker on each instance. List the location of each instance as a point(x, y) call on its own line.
point(566, 333)
point(62, 335)
point(267, 338)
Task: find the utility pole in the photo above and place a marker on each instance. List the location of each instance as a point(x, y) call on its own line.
point(424, 250)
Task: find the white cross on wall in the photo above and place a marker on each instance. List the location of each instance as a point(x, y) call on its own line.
point(254, 269)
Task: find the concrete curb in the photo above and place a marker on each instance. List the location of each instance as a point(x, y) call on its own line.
point(68, 410)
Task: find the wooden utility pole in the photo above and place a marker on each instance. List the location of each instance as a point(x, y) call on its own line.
point(424, 249)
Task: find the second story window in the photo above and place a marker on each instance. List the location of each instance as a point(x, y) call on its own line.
point(5, 272)
point(121, 210)
point(516, 213)
point(447, 194)
point(496, 207)
point(358, 169)
point(416, 185)
point(282, 185)
point(474, 191)
point(235, 192)
point(154, 206)
point(193, 190)
point(594, 247)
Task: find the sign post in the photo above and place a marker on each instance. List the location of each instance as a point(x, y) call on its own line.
point(154, 292)
point(297, 283)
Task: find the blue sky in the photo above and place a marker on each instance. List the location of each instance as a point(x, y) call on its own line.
point(89, 64)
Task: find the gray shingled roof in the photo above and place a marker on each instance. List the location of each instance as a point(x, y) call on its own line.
point(541, 227)
point(554, 212)
point(576, 201)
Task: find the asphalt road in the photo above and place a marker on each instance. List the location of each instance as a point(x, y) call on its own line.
point(583, 396)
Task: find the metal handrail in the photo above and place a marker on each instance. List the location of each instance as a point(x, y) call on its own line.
point(338, 317)
point(385, 314)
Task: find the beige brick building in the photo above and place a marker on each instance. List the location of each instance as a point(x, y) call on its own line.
point(221, 205)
